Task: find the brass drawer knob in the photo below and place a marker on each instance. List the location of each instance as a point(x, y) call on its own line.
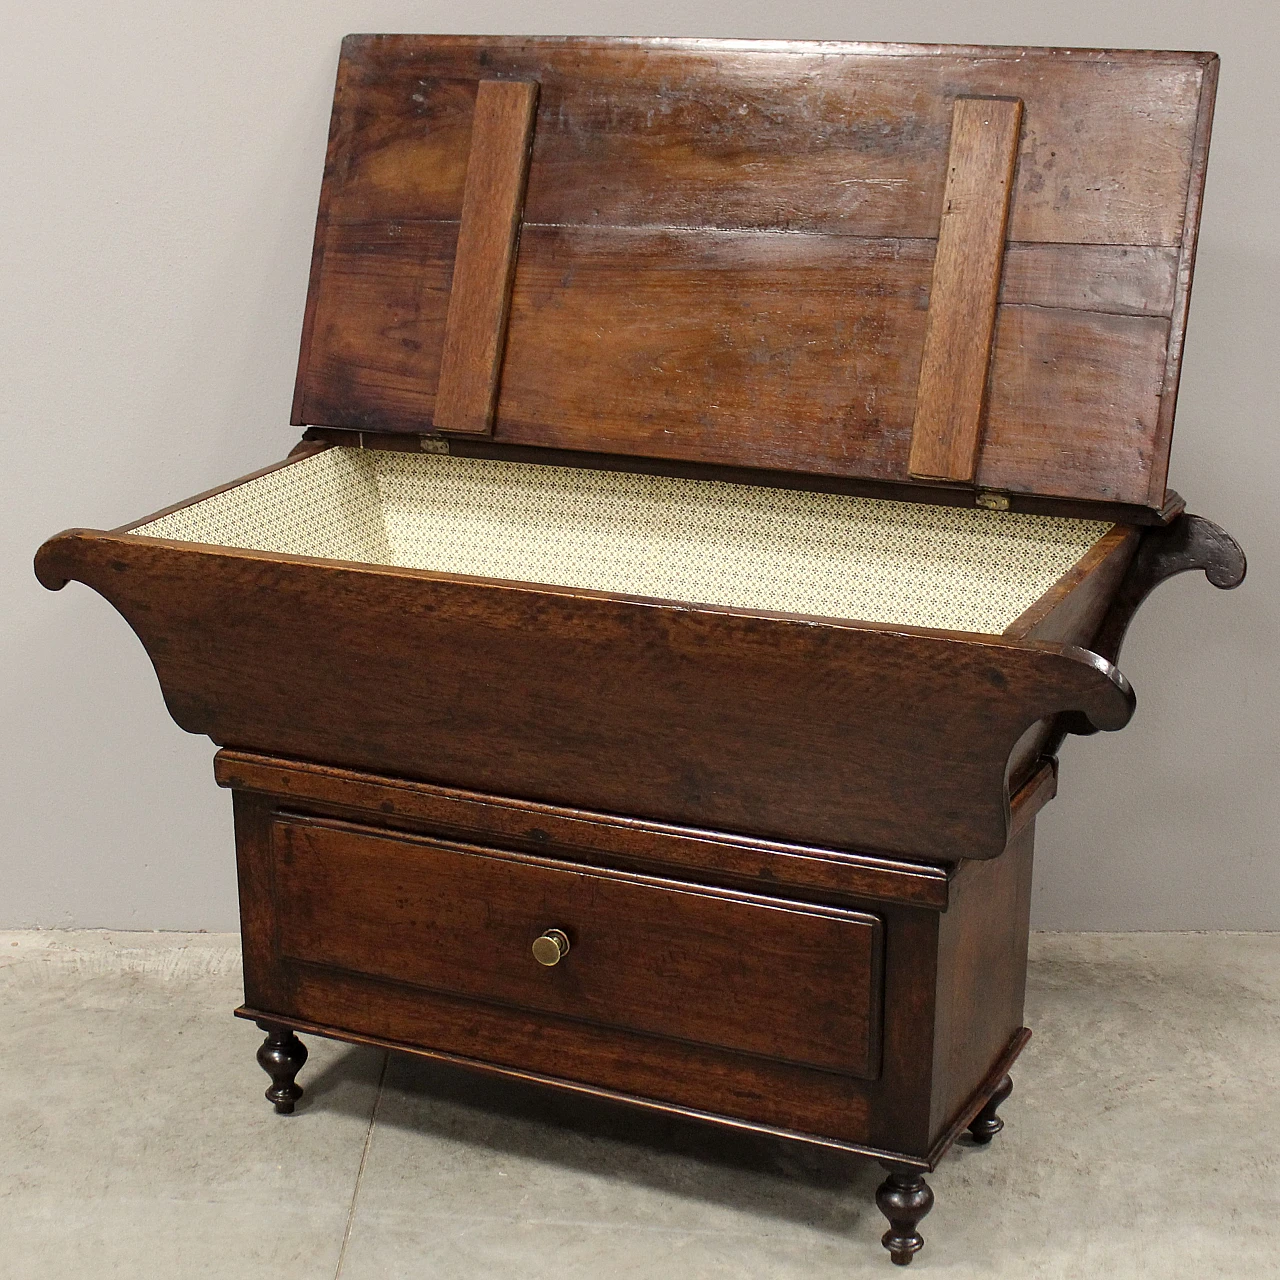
point(551, 948)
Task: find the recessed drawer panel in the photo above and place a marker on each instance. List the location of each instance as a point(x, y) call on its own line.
point(783, 980)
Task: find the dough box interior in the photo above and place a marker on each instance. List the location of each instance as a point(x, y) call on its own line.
point(703, 542)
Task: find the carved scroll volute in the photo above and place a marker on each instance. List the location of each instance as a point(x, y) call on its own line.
point(1189, 543)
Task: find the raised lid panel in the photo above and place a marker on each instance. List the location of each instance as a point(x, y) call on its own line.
point(727, 251)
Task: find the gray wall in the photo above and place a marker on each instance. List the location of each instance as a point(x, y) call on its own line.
point(160, 179)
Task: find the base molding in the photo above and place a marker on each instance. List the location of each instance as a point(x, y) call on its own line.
point(926, 1164)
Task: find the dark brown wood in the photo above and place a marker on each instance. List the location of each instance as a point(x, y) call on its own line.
point(785, 981)
point(982, 967)
point(986, 1124)
point(627, 844)
point(1071, 611)
point(724, 237)
point(980, 1098)
point(484, 262)
point(420, 674)
point(700, 1078)
point(952, 391)
point(328, 972)
point(717, 1119)
point(315, 279)
point(788, 858)
point(265, 984)
point(1032, 795)
point(904, 1198)
point(622, 341)
point(652, 132)
point(282, 1055)
point(1182, 287)
point(1189, 543)
point(316, 984)
point(932, 495)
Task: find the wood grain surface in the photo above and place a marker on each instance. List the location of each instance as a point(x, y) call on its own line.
point(952, 391)
point(475, 329)
point(756, 975)
point(353, 964)
point(629, 844)
point(875, 738)
point(728, 249)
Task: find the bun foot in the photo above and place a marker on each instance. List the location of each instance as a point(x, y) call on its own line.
point(904, 1198)
point(986, 1124)
point(282, 1056)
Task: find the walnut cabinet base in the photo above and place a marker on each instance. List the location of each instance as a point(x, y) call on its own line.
point(857, 1002)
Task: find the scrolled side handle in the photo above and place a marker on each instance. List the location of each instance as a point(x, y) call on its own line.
point(58, 560)
point(1106, 704)
point(1188, 543)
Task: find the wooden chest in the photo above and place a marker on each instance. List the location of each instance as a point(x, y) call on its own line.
point(729, 470)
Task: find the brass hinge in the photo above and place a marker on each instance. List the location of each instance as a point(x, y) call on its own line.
point(433, 444)
point(990, 501)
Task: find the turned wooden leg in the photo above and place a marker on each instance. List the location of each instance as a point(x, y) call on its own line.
point(282, 1056)
point(986, 1124)
point(904, 1198)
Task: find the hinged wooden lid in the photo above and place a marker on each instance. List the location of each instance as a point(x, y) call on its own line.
point(895, 263)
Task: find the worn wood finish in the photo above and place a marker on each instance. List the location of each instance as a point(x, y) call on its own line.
point(485, 255)
point(1190, 543)
point(1182, 288)
point(666, 1074)
point(787, 860)
point(981, 1097)
point(934, 495)
point(264, 985)
point(986, 1124)
point(795, 983)
point(784, 352)
point(1072, 609)
point(728, 247)
point(1069, 613)
point(745, 722)
point(952, 391)
point(904, 1197)
point(652, 132)
point(1031, 796)
point(282, 1056)
point(364, 932)
point(982, 967)
point(701, 1078)
point(628, 844)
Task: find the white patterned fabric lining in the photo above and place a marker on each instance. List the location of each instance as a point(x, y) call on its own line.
point(704, 542)
point(324, 506)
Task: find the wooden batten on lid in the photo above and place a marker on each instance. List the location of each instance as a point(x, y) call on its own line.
point(475, 330)
point(952, 392)
point(904, 267)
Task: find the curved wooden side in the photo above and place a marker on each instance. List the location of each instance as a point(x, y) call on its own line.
point(1185, 544)
point(849, 736)
point(1189, 543)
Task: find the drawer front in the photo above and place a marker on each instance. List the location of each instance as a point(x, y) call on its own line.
point(786, 981)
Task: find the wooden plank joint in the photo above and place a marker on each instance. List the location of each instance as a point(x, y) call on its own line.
point(484, 265)
point(951, 393)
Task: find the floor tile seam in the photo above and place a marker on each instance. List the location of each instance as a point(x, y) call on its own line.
point(364, 1157)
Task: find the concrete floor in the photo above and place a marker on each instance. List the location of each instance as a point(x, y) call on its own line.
point(134, 1141)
